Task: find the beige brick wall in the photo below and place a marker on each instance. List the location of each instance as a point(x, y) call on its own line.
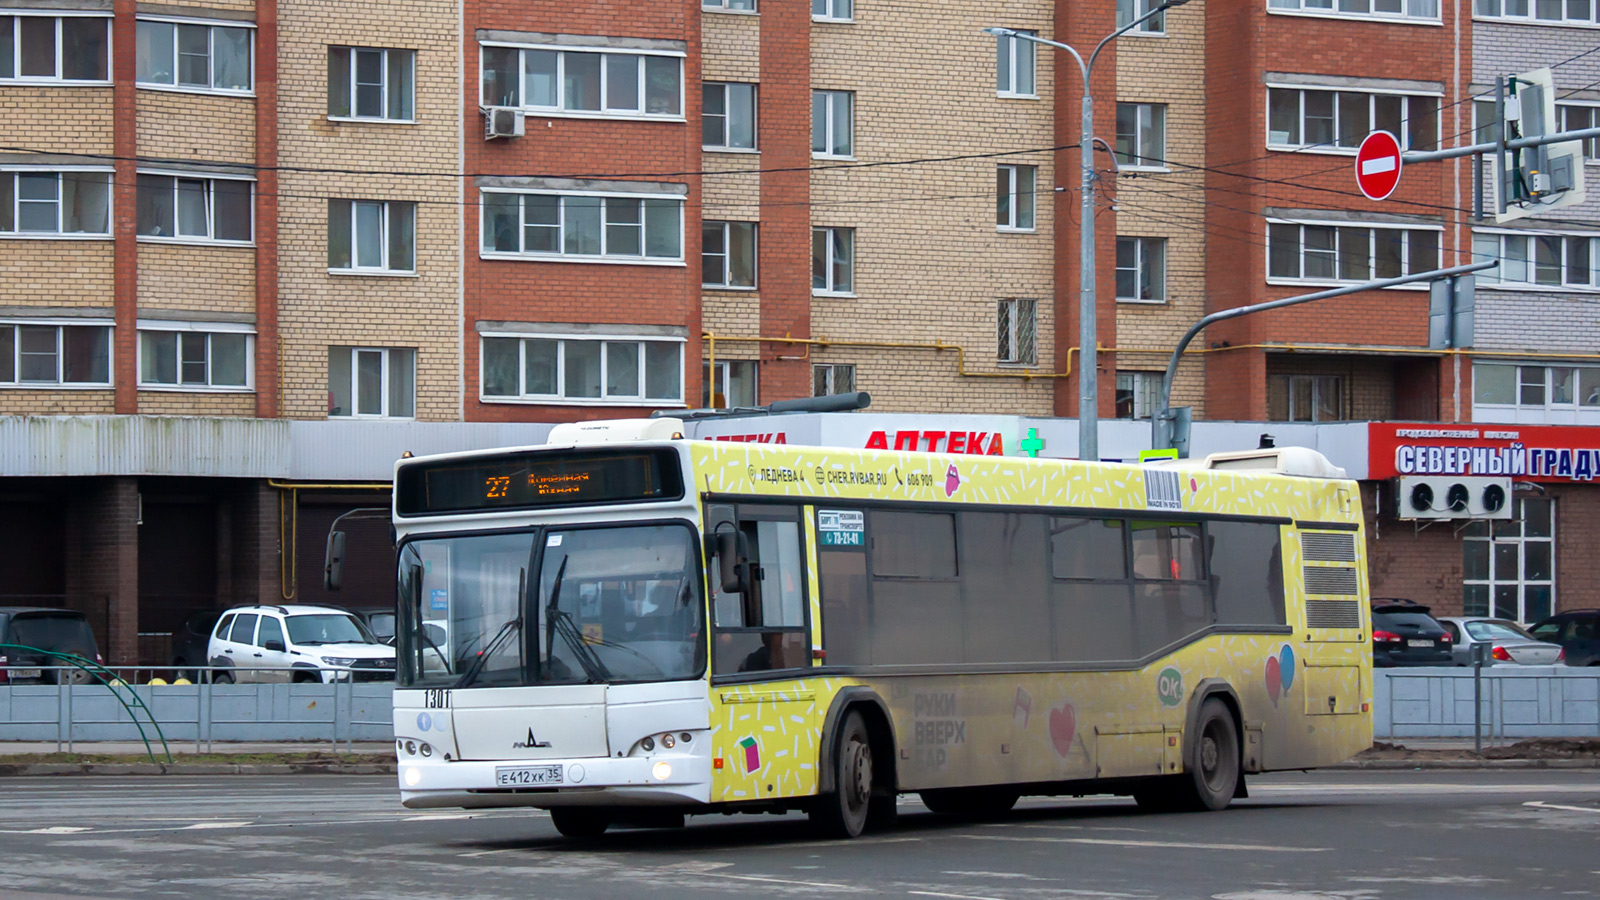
point(184, 276)
point(731, 44)
point(199, 127)
point(195, 403)
point(56, 273)
point(316, 309)
point(201, 5)
point(56, 119)
point(1167, 205)
point(929, 262)
point(34, 402)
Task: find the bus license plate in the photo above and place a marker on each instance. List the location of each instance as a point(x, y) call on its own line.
point(521, 776)
point(1419, 642)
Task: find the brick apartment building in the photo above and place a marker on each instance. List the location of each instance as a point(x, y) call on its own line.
point(263, 246)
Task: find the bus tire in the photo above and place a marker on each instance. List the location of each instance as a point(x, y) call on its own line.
point(843, 812)
point(970, 803)
point(580, 822)
point(1214, 764)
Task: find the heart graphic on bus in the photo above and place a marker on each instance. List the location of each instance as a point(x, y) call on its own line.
point(1274, 679)
point(1063, 728)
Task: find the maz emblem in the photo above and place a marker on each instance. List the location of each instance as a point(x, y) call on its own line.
point(532, 743)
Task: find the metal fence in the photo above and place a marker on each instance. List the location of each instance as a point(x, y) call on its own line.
point(1515, 702)
point(338, 712)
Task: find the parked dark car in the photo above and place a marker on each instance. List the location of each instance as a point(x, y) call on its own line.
point(1403, 634)
point(379, 619)
point(58, 630)
point(189, 642)
point(1578, 633)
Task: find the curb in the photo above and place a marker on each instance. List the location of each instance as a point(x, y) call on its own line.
point(57, 769)
point(1587, 763)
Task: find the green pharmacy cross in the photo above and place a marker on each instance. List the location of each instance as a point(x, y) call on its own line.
point(1032, 444)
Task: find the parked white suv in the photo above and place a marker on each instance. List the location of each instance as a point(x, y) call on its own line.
point(296, 643)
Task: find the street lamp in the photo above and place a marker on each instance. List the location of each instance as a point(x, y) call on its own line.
point(1088, 378)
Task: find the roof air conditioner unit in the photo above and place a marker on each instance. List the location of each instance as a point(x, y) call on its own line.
point(1452, 497)
point(502, 123)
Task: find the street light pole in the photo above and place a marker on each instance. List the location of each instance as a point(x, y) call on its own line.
point(1088, 340)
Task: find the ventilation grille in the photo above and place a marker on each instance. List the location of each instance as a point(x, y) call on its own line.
point(1333, 613)
point(1325, 547)
point(1330, 580)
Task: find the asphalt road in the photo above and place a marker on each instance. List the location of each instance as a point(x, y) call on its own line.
point(1351, 835)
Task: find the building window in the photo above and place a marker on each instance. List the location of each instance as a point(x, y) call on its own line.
point(833, 124)
point(588, 227)
point(583, 83)
point(1508, 565)
point(832, 378)
point(1017, 331)
point(1547, 261)
point(1141, 270)
point(833, 261)
point(1137, 394)
point(1128, 10)
point(1142, 135)
point(195, 209)
point(55, 48)
point(371, 382)
point(729, 5)
point(1577, 118)
point(1300, 119)
point(833, 10)
point(372, 236)
point(734, 385)
point(194, 57)
point(1546, 12)
point(1014, 197)
point(1348, 253)
point(591, 370)
point(1014, 66)
point(728, 254)
point(728, 117)
point(55, 203)
point(174, 356)
point(1305, 398)
point(368, 83)
point(55, 354)
point(1383, 9)
point(1536, 387)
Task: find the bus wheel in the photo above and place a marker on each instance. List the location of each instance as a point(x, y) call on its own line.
point(580, 822)
point(1212, 770)
point(969, 803)
point(843, 813)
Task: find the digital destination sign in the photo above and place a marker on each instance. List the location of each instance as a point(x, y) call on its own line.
point(534, 480)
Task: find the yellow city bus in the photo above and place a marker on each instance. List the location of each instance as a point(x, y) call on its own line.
point(623, 626)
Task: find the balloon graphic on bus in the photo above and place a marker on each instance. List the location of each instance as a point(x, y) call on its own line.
point(1280, 673)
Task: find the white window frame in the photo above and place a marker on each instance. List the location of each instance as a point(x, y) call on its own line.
point(211, 209)
point(831, 11)
point(1146, 388)
point(1548, 381)
point(560, 112)
point(1372, 227)
point(720, 381)
point(727, 257)
point(383, 377)
point(58, 235)
point(1015, 351)
point(387, 87)
point(1329, 9)
point(559, 398)
point(486, 252)
point(1496, 279)
point(57, 79)
point(1014, 198)
point(1591, 146)
point(211, 57)
point(1530, 14)
point(830, 286)
point(207, 330)
point(1521, 541)
point(1006, 74)
point(1128, 10)
point(726, 6)
point(1141, 261)
point(1136, 160)
point(727, 119)
point(61, 357)
point(1333, 148)
point(830, 99)
point(1316, 381)
point(828, 373)
point(381, 271)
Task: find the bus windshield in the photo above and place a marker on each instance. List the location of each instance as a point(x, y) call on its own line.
point(609, 604)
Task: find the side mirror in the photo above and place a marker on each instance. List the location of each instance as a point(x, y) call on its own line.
point(729, 556)
point(333, 562)
point(276, 646)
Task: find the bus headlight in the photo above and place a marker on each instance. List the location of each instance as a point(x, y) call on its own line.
point(662, 771)
point(413, 776)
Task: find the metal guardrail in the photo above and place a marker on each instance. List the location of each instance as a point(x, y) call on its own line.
point(1513, 702)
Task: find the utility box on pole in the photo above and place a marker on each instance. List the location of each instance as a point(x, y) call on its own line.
point(1451, 306)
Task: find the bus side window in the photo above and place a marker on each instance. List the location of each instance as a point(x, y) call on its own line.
point(1246, 572)
point(764, 628)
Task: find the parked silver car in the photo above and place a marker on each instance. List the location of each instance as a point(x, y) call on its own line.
point(1509, 643)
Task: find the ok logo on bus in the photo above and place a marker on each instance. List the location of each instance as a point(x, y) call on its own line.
point(1169, 686)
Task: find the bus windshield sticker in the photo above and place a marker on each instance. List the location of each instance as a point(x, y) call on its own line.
point(553, 540)
point(1163, 489)
point(841, 527)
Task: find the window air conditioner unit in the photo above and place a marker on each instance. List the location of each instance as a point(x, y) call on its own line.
point(502, 123)
point(1452, 497)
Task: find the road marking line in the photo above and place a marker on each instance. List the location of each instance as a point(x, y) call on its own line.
point(55, 829)
point(206, 826)
point(956, 896)
point(440, 818)
point(1174, 845)
point(769, 880)
point(1543, 805)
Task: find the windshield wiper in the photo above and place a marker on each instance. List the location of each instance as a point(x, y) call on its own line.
point(561, 621)
point(510, 627)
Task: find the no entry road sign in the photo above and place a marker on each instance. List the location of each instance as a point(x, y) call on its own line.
point(1378, 165)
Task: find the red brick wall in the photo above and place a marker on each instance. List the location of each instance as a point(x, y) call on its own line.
point(125, 143)
point(102, 562)
point(500, 290)
point(785, 243)
point(267, 388)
